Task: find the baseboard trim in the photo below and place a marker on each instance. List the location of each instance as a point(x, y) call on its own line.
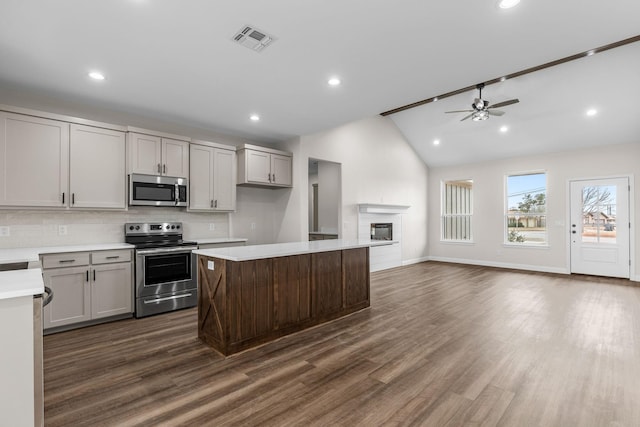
point(528, 267)
point(415, 260)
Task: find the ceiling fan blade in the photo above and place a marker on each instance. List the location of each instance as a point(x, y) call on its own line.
point(495, 112)
point(466, 117)
point(505, 103)
point(460, 111)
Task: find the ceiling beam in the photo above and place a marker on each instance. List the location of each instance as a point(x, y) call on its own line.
point(516, 74)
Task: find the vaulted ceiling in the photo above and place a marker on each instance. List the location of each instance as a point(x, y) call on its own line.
point(175, 61)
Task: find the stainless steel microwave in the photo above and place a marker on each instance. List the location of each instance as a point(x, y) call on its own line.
point(151, 190)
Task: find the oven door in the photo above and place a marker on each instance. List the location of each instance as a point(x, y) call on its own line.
point(165, 271)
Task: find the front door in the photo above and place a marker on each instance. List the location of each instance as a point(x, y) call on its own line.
point(600, 227)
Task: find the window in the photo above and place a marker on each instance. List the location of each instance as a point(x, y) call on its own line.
point(526, 213)
point(457, 209)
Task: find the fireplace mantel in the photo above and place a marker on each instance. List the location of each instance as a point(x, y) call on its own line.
point(377, 208)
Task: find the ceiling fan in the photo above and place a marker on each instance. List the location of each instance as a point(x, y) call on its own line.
point(481, 109)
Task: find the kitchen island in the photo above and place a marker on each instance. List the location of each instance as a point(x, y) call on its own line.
point(251, 295)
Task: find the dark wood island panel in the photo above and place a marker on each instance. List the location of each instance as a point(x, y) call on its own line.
point(242, 304)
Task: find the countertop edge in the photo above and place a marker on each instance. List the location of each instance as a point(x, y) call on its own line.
point(276, 250)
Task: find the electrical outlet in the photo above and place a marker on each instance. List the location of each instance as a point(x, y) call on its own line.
point(62, 230)
point(253, 225)
point(5, 231)
point(212, 226)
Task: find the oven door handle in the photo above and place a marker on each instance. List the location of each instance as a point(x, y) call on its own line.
point(157, 251)
point(157, 300)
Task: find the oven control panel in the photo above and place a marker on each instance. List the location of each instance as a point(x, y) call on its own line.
point(159, 228)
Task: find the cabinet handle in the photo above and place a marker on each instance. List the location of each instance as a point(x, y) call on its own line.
point(164, 168)
point(274, 177)
point(94, 275)
point(62, 261)
point(269, 177)
point(113, 257)
point(73, 198)
point(87, 275)
point(63, 198)
point(215, 204)
point(211, 203)
point(159, 170)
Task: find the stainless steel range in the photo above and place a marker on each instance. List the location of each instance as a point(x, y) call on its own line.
point(165, 268)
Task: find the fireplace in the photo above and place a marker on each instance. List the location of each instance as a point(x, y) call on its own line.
point(382, 231)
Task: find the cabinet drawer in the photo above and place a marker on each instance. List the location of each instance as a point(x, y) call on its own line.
point(70, 259)
point(107, 257)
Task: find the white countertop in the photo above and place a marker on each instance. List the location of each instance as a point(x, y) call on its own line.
point(9, 256)
point(220, 240)
point(247, 253)
point(20, 283)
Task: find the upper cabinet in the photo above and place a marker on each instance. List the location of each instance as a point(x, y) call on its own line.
point(34, 157)
point(264, 167)
point(212, 177)
point(97, 176)
point(157, 155)
point(54, 164)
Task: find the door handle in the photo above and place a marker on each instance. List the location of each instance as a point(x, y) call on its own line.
point(159, 170)
point(269, 177)
point(73, 198)
point(211, 203)
point(215, 204)
point(87, 272)
point(164, 168)
point(63, 198)
point(573, 231)
point(274, 177)
point(94, 275)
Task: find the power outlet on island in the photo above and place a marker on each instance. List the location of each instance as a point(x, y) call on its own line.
point(210, 265)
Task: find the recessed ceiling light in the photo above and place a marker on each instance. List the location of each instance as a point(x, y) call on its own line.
point(591, 52)
point(254, 118)
point(96, 75)
point(592, 112)
point(435, 99)
point(507, 4)
point(502, 79)
point(334, 81)
point(503, 129)
point(436, 142)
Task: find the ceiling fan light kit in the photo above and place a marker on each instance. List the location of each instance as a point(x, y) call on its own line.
point(481, 110)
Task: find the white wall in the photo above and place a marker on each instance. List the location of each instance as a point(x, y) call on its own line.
point(378, 166)
point(488, 194)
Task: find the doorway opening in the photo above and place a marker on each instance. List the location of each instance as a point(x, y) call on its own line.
point(325, 199)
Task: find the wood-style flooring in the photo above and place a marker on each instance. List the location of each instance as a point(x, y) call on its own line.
point(441, 345)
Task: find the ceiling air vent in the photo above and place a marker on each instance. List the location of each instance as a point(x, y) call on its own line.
point(252, 38)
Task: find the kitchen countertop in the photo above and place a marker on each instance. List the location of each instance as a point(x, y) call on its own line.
point(247, 253)
point(20, 283)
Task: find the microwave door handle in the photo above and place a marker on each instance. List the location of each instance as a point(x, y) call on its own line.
point(176, 193)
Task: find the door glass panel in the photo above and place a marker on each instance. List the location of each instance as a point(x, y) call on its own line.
point(599, 214)
point(167, 268)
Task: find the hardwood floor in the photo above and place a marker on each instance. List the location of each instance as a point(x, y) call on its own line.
point(441, 345)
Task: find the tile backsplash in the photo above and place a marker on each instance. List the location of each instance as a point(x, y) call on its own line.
point(35, 228)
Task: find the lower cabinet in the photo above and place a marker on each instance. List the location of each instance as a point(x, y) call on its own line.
point(87, 286)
